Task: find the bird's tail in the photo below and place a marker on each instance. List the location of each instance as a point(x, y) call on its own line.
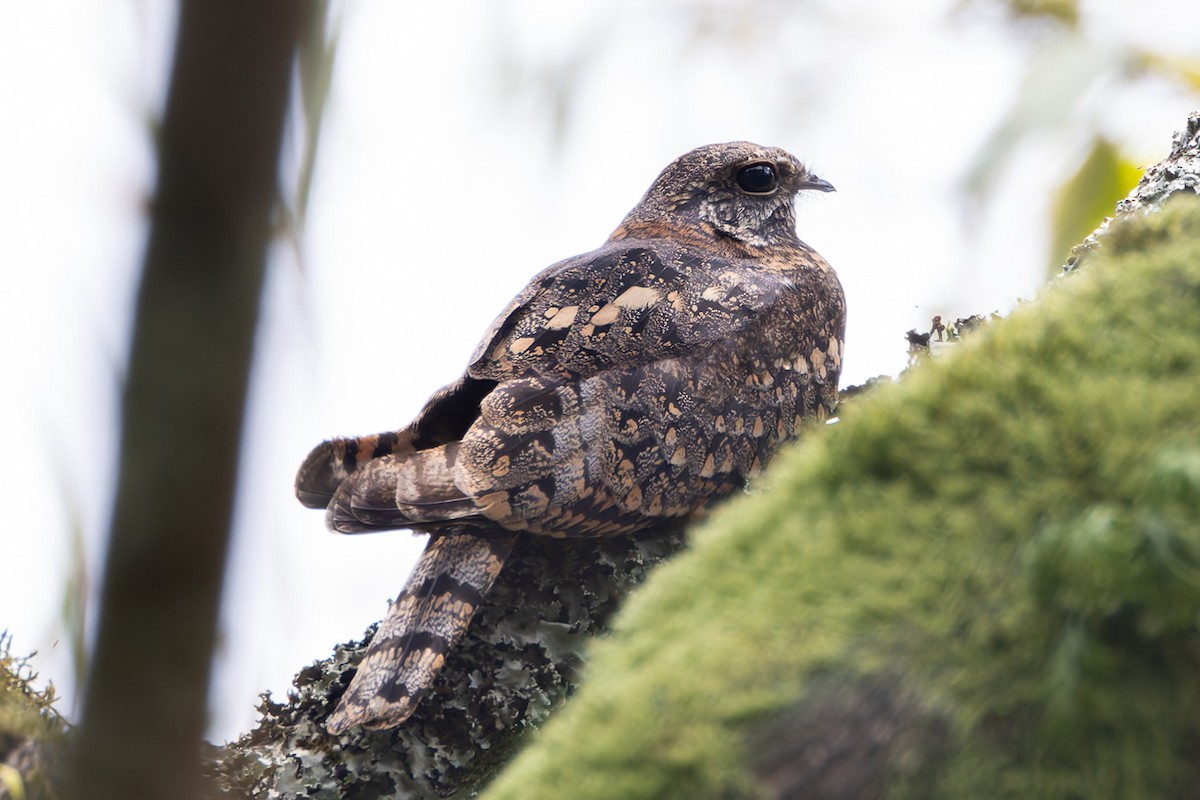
point(454, 574)
point(331, 462)
point(380, 482)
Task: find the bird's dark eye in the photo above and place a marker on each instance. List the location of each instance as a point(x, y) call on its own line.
point(757, 179)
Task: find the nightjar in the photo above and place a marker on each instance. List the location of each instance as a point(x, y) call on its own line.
point(642, 381)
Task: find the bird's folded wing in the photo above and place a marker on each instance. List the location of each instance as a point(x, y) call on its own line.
point(630, 302)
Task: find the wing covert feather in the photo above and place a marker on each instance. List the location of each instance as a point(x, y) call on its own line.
point(627, 303)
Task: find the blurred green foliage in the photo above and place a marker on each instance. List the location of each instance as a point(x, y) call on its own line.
point(1067, 64)
point(1087, 197)
point(315, 60)
point(1072, 78)
point(1064, 11)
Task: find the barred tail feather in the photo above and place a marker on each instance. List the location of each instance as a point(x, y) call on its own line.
point(401, 491)
point(331, 462)
point(452, 577)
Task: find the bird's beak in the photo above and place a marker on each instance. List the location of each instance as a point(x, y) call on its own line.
point(817, 184)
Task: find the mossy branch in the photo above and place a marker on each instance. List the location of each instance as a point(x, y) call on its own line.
point(983, 582)
point(946, 578)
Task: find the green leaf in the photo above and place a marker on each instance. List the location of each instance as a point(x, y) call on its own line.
point(1088, 196)
point(1064, 11)
point(1184, 70)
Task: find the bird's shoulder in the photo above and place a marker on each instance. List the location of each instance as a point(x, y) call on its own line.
point(629, 301)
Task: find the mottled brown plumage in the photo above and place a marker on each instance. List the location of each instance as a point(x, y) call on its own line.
point(642, 381)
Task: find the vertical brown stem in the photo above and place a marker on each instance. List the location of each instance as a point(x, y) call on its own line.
point(193, 337)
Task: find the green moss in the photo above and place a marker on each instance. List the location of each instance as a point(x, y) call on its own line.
point(30, 728)
point(1009, 538)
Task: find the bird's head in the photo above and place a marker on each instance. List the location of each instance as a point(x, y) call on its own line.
point(738, 190)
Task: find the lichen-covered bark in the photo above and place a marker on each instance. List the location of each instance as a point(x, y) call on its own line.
point(520, 659)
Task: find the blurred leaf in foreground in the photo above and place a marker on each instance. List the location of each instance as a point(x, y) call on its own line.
point(1086, 198)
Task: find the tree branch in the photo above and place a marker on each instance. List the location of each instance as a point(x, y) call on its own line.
point(197, 308)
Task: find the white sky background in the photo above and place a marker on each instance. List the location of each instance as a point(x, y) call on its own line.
point(440, 189)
